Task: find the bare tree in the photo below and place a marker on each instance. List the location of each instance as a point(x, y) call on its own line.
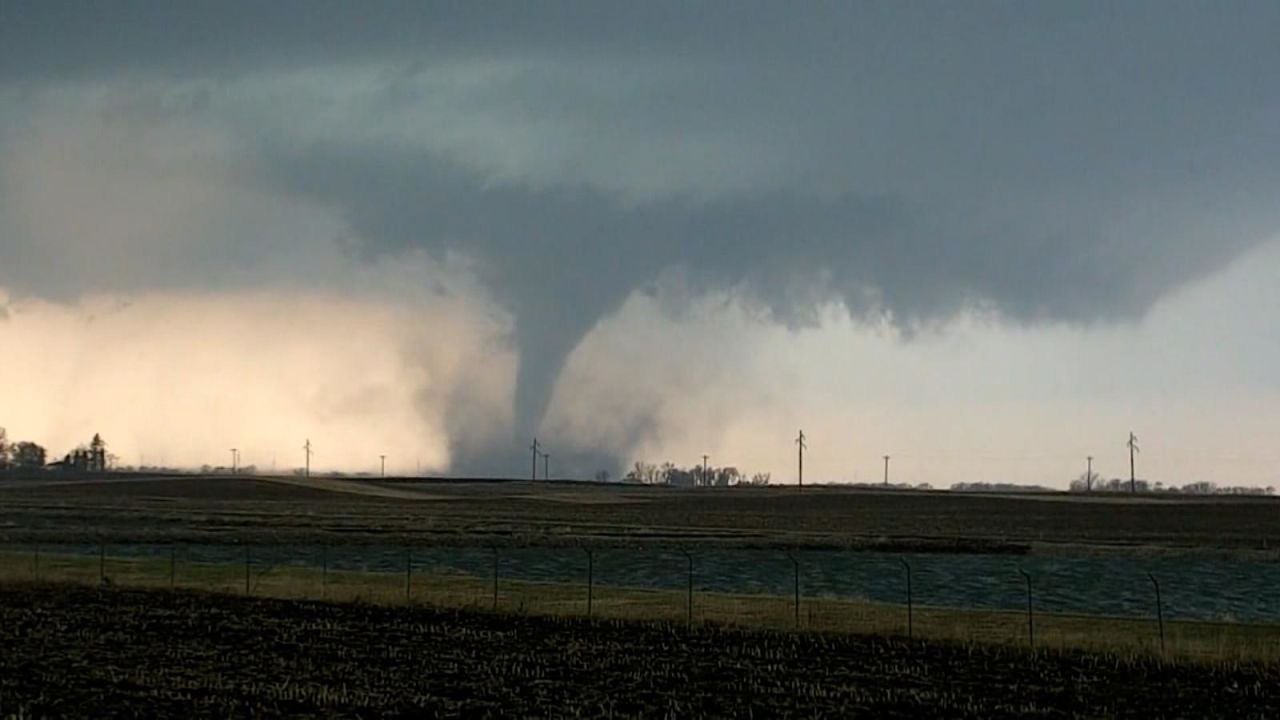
point(642, 472)
point(664, 472)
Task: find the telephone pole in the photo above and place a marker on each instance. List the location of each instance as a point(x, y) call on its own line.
point(1133, 478)
point(309, 451)
point(886, 471)
point(235, 460)
point(705, 458)
point(1088, 476)
point(546, 460)
point(383, 458)
point(534, 447)
point(800, 448)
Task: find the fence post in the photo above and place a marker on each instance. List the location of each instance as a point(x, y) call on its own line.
point(494, 548)
point(910, 619)
point(247, 561)
point(173, 562)
point(102, 562)
point(688, 608)
point(795, 566)
point(1031, 622)
point(1159, 610)
point(591, 561)
point(408, 575)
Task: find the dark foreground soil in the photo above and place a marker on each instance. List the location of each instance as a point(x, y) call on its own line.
point(68, 652)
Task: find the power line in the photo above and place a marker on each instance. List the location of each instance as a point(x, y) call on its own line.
point(801, 446)
point(1133, 449)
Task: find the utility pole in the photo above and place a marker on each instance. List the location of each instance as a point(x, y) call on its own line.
point(800, 448)
point(1088, 476)
point(384, 464)
point(235, 458)
point(704, 468)
point(1133, 478)
point(546, 460)
point(534, 448)
point(886, 471)
point(309, 451)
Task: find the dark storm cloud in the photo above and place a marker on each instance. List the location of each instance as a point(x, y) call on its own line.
point(1053, 162)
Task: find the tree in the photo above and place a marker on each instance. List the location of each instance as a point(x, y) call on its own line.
point(683, 478)
point(650, 473)
point(1086, 482)
point(4, 449)
point(726, 476)
point(28, 456)
point(97, 454)
point(664, 472)
point(642, 472)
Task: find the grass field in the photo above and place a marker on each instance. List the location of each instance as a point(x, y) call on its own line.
point(1188, 641)
point(81, 652)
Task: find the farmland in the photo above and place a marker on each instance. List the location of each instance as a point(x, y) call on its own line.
point(743, 553)
point(79, 652)
point(507, 591)
point(215, 596)
point(287, 510)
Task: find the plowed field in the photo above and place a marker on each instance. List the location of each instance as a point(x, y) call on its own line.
point(79, 652)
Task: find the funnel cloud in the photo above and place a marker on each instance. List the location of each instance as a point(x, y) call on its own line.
point(911, 165)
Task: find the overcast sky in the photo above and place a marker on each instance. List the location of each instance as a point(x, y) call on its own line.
point(988, 239)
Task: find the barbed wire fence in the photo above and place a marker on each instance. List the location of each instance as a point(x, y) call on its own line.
point(689, 584)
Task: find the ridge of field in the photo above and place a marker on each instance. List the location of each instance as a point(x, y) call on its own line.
point(297, 509)
point(74, 652)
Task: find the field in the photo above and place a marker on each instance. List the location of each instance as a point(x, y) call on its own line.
point(1183, 640)
point(78, 652)
point(763, 599)
point(163, 509)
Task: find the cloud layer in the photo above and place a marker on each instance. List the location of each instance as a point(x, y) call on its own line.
point(911, 164)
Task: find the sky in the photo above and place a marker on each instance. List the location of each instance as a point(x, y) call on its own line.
point(988, 239)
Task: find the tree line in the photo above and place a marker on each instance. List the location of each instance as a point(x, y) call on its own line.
point(28, 456)
point(667, 473)
point(1094, 483)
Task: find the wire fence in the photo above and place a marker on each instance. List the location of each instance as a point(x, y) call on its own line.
point(1207, 607)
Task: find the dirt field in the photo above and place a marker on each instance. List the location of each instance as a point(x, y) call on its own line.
point(292, 510)
point(88, 653)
